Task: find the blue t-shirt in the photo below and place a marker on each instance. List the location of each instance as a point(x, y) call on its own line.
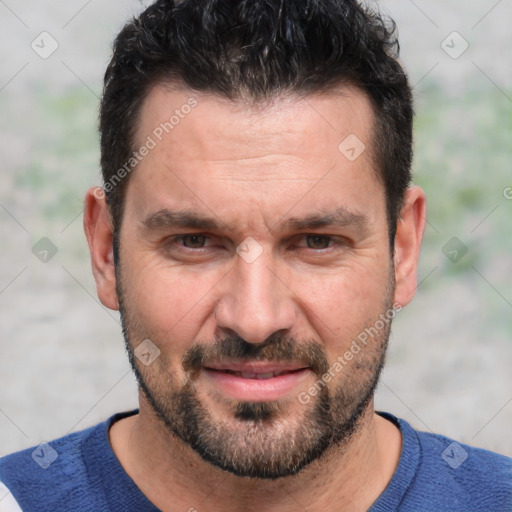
point(81, 473)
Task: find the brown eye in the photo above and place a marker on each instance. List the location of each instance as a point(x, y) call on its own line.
point(318, 241)
point(193, 241)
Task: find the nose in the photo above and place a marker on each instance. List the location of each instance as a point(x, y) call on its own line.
point(255, 302)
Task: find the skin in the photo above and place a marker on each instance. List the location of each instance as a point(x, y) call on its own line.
point(252, 169)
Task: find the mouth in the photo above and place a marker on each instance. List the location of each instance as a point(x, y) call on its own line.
point(258, 381)
point(257, 376)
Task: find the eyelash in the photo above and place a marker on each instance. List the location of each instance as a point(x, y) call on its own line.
point(174, 240)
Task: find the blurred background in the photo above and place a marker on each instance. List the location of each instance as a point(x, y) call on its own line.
point(62, 361)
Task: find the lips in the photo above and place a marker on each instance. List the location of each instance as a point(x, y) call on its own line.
point(254, 375)
point(256, 369)
point(255, 381)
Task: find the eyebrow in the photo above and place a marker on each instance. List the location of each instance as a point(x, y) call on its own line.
point(168, 219)
point(341, 217)
point(179, 219)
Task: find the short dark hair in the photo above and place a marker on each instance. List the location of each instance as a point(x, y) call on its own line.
point(256, 50)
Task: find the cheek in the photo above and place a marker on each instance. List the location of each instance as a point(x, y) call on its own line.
point(169, 303)
point(341, 305)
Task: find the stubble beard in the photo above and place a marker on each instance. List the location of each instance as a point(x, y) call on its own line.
point(261, 440)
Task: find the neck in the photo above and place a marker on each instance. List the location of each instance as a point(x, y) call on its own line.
point(173, 476)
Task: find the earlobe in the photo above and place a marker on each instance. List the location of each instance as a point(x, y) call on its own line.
point(409, 233)
point(99, 234)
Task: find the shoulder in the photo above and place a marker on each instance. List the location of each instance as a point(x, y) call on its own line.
point(52, 476)
point(78, 472)
point(460, 476)
point(467, 465)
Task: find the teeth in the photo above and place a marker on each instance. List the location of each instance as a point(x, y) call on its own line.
point(258, 376)
point(265, 375)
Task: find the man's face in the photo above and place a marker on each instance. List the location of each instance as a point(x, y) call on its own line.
point(253, 252)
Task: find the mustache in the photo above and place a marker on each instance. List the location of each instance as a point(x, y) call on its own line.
point(275, 348)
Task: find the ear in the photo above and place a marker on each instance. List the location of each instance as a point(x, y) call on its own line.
point(409, 233)
point(99, 233)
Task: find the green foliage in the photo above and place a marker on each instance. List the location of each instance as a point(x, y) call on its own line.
point(463, 161)
point(64, 154)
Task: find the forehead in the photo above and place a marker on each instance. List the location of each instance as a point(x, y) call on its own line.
point(209, 153)
point(254, 127)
